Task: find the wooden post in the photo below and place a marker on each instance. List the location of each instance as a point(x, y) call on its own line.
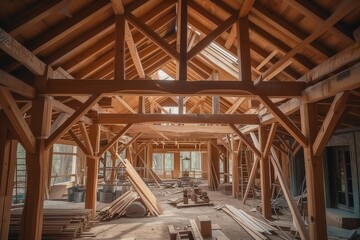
point(92, 163)
point(113, 166)
point(177, 163)
point(264, 175)
point(243, 47)
point(7, 170)
point(235, 168)
point(32, 219)
point(149, 153)
point(314, 174)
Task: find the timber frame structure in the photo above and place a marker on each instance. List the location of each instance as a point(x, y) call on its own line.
point(273, 76)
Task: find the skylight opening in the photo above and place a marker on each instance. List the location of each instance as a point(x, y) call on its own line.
point(224, 53)
point(164, 76)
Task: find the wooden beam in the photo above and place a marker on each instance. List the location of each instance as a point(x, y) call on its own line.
point(148, 32)
point(17, 121)
point(343, 81)
point(16, 85)
point(114, 140)
point(86, 139)
point(173, 88)
point(59, 106)
point(72, 120)
point(78, 142)
point(264, 175)
point(60, 119)
point(34, 15)
point(125, 104)
point(113, 118)
point(269, 140)
point(212, 36)
point(13, 48)
point(118, 7)
point(122, 148)
point(246, 141)
point(181, 44)
point(243, 49)
point(342, 10)
point(120, 47)
point(329, 124)
point(235, 105)
point(133, 51)
point(284, 120)
point(314, 175)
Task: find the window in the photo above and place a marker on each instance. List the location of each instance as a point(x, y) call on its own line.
point(190, 160)
point(163, 163)
point(63, 163)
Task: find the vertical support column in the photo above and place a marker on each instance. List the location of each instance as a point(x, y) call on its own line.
point(113, 166)
point(235, 168)
point(243, 47)
point(313, 174)
point(32, 219)
point(264, 175)
point(177, 163)
point(7, 171)
point(215, 99)
point(214, 167)
point(120, 47)
point(226, 169)
point(92, 169)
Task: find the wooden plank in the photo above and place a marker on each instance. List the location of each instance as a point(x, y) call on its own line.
point(195, 230)
point(72, 120)
point(114, 118)
point(133, 51)
point(125, 104)
point(243, 49)
point(58, 121)
point(86, 139)
point(16, 120)
point(16, 85)
point(329, 124)
point(173, 88)
point(246, 141)
point(284, 120)
point(114, 140)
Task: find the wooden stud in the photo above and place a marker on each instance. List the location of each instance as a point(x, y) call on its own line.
point(181, 45)
point(120, 47)
point(246, 141)
point(269, 140)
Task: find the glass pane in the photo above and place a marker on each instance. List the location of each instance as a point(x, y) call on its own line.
point(158, 163)
point(195, 161)
point(169, 161)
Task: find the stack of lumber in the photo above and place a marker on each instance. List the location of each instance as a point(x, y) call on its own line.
point(57, 223)
point(118, 207)
point(144, 192)
point(255, 227)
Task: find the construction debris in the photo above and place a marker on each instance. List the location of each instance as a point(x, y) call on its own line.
point(117, 207)
point(57, 223)
point(144, 192)
point(255, 227)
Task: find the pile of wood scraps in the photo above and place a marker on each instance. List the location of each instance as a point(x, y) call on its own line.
point(255, 227)
point(192, 197)
point(57, 223)
point(141, 188)
point(118, 207)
